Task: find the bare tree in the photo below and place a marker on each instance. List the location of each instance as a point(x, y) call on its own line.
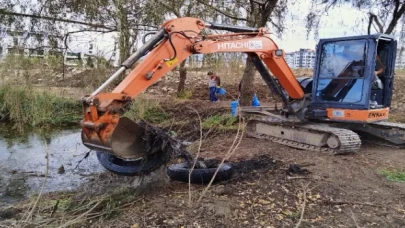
point(105, 16)
point(384, 20)
point(383, 16)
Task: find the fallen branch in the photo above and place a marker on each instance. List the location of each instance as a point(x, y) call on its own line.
point(304, 190)
point(196, 158)
point(78, 219)
point(84, 158)
point(296, 178)
point(230, 152)
point(352, 203)
point(354, 219)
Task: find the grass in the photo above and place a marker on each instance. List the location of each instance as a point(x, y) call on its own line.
point(146, 109)
point(185, 94)
point(25, 107)
point(393, 175)
point(220, 122)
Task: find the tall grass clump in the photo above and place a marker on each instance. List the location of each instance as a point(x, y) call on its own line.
point(25, 107)
point(221, 122)
point(146, 109)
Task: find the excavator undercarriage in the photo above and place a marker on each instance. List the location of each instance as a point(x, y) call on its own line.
point(330, 137)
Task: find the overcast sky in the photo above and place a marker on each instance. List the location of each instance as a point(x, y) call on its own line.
point(342, 21)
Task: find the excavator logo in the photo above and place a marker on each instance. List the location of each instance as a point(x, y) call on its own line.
point(376, 114)
point(252, 44)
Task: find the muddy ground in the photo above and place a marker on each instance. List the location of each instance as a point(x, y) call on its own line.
point(337, 191)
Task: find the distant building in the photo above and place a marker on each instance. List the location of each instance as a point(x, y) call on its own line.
point(304, 58)
point(41, 44)
point(33, 44)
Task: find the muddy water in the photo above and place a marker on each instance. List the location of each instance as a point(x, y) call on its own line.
point(23, 163)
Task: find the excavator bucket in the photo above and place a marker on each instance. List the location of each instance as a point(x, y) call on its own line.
point(126, 140)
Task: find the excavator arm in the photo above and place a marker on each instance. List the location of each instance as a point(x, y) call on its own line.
point(103, 127)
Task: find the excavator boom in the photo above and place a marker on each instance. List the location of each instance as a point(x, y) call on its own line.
point(103, 127)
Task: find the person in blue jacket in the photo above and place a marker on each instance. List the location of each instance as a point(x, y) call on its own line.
point(214, 83)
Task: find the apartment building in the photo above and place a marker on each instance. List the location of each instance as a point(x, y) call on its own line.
point(33, 44)
point(304, 58)
point(41, 44)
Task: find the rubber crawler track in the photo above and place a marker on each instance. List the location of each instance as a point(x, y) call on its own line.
point(382, 142)
point(349, 141)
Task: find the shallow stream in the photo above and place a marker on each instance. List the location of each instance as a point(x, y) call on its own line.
point(23, 162)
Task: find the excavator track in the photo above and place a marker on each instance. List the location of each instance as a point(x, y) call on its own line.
point(383, 133)
point(337, 141)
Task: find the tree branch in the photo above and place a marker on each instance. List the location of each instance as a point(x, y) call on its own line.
point(66, 36)
point(222, 12)
point(173, 10)
point(6, 12)
point(259, 2)
point(397, 14)
point(370, 21)
point(275, 25)
point(189, 7)
point(374, 17)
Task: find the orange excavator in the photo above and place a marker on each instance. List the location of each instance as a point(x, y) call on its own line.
point(344, 101)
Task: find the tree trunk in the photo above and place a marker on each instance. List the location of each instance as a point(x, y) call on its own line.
point(124, 36)
point(183, 77)
point(124, 41)
point(398, 13)
point(248, 88)
point(258, 17)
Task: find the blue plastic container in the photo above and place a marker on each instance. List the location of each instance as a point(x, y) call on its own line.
point(234, 105)
point(221, 91)
point(255, 101)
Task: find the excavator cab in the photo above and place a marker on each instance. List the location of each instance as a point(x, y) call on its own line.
point(347, 84)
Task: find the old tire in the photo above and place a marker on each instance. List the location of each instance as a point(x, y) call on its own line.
point(138, 167)
point(180, 172)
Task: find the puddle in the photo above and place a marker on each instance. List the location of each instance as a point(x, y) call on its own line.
point(23, 163)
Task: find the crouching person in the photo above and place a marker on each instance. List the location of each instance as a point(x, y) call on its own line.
point(214, 83)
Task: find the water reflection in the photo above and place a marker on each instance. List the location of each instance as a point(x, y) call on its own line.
point(23, 162)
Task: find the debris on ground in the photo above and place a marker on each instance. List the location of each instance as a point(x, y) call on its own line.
point(296, 169)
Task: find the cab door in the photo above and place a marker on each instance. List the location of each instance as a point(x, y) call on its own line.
point(386, 51)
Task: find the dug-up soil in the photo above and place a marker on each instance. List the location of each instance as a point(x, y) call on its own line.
point(335, 191)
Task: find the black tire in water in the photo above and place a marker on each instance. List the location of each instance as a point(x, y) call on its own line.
point(180, 172)
point(138, 167)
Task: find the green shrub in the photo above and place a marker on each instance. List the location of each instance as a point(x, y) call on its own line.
point(185, 94)
point(393, 175)
point(146, 109)
point(220, 122)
